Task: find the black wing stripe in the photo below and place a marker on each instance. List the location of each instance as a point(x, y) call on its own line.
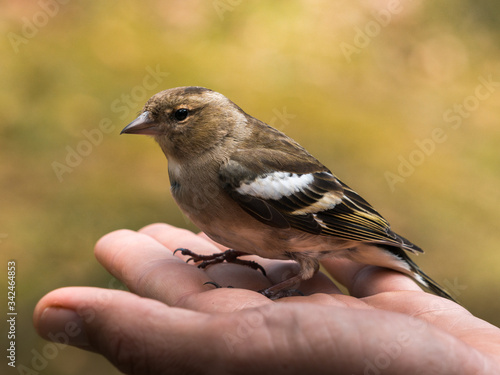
point(294, 202)
point(286, 205)
point(306, 198)
point(311, 194)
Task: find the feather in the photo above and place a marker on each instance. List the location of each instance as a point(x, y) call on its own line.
point(314, 202)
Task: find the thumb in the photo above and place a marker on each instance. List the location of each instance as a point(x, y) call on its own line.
point(137, 335)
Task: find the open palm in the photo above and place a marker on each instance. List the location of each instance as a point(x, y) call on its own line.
point(171, 321)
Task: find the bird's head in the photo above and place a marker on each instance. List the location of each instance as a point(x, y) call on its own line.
point(187, 121)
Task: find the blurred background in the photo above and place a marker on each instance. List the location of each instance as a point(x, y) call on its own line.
point(399, 98)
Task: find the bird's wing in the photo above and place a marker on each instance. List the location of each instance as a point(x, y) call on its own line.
point(299, 192)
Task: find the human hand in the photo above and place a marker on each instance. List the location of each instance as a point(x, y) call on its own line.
point(172, 322)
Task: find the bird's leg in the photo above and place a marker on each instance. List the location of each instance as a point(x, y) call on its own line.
point(309, 265)
point(282, 289)
point(230, 256)
point(274, 292)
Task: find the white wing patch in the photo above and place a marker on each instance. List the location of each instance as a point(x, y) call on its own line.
point(276, 185)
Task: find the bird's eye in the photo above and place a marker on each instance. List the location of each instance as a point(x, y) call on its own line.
point(181, 114)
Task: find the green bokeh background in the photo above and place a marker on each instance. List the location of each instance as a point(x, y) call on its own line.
point(361, 88)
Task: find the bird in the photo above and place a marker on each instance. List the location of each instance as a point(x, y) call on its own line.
point(255, 190)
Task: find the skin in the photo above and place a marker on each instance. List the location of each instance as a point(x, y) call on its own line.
point(171, 322)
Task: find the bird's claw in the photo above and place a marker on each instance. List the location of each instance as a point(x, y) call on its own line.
point(217, 286)
point(274, 295)
point(230, 256)
point(179, 249)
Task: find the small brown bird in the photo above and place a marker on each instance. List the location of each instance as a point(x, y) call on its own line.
point(253, 189)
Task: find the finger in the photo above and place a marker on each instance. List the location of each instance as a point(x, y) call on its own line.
point(141, 336)
point(224, 274)
point(234, 275)
point(174, 238)
point(133, 333)
point(238, 276)
point(147, 268)
point(363, 280)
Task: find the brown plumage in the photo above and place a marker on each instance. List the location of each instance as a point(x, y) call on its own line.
point(253, 189)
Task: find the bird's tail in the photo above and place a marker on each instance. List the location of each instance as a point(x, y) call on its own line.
point(421, 277)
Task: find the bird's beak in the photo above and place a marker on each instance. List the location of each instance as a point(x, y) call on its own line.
point(142, 125)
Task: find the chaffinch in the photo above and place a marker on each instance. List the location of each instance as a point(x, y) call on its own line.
point(253, 189)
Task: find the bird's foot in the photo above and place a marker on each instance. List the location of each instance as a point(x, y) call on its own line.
point(269, 293)
point(283, 289)
point(230, 256)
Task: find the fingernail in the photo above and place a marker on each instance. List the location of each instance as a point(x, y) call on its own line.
point(63, 326)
